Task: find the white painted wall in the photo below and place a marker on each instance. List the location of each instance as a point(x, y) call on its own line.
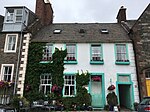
point(109, 68)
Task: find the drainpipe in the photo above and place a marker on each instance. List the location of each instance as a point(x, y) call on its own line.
point(18, 62)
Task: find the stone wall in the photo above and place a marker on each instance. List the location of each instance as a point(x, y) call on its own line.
point(141, 37)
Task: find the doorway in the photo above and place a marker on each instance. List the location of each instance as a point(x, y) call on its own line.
point(96, 91)
point(148, 86)
point(125, 95)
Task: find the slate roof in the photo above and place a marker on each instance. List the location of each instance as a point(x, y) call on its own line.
point(70, 33)
point(130, 23)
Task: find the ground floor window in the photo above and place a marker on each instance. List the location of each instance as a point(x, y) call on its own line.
point(45, 83)
point(69, 85)
point(7, 72)
point(4, 99)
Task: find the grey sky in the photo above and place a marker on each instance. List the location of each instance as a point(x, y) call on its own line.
point(85, 10)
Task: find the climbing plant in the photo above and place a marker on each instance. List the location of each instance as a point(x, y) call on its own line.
point(56, 68)
point(35, 69)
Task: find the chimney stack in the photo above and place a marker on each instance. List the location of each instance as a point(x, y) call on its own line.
point(121, 15)
point(44, 11)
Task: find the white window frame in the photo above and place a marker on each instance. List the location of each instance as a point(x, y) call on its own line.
point(13, 16)
point(5, 100)
point(71, 52)
point(18, 15)
point(42, 82)
point(9, 19)
point(7, 43)
point(47, 55)
point(66, 83)
point(2, 71)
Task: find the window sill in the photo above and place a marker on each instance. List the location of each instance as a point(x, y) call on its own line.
point(122, 63)
point(44, 62)
point(10, 51)
point(97, 62)
point(69, 96)
point(70, 62)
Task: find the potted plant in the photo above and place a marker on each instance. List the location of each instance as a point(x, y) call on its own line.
point(111, 87)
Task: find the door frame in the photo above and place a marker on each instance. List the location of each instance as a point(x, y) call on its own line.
point(103, 87)
point(125, 83)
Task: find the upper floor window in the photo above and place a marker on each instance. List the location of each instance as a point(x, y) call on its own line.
point(47, 52)
point(10, 15)
point(69, 85)
point(96, 54)
point(11, 43)
point(45, 83)
point(7, 72)
point(19, 14)
point(147, 74)
point(121, 54)
point(14, 15)
point(71, 52)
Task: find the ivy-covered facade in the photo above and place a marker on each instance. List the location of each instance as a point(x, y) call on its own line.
point(74, 64)
point(45, 80)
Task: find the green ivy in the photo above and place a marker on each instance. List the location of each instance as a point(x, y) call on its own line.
point(56, 68)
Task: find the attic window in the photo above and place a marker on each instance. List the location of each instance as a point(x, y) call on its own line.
point(104, 31)
point(82, 31)
point(57, 31)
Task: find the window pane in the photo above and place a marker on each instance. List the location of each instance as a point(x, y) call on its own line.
point(124, 78)
point(47, 89)
point(19, 12)
point(9, 78)
point(72, 90)
point(46, 83)
point(18, 15)
point(5, 77)
point(71, 51)
point(7, 73)
point(9, 70)
point(11, 42)
point(47, 52)
point(10, 15)
point(69, 85)
point(121, 52)
point(96, 52)
point(18, 18)
point(66, 90)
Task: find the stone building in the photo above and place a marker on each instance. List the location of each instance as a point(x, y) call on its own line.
point(14, 41)
point(139, 32)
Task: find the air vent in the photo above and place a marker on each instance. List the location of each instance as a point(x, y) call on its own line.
point(104, 31)
point(82, 31)
point(57, 31)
